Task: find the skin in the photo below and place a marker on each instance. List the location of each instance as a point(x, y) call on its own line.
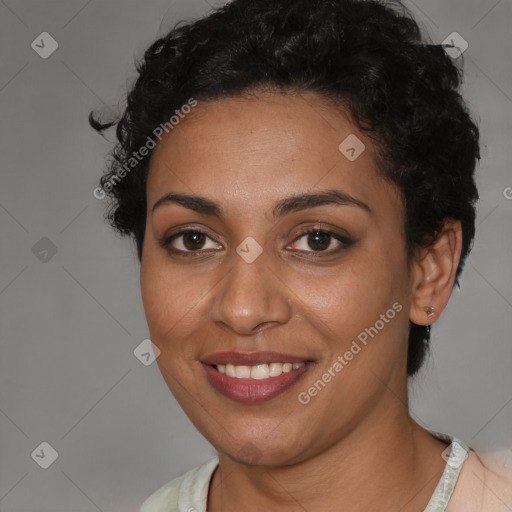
point(246, 154)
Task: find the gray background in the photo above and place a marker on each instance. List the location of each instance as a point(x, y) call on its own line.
point(70, 325)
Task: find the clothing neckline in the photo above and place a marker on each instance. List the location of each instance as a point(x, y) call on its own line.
point(458, 453)
point(454, 462)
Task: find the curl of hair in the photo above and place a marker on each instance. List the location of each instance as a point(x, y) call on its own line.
point(368, 56)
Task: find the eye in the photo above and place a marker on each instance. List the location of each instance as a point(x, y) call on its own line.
point(320, 240)
point(190, 240)
point(314, 240)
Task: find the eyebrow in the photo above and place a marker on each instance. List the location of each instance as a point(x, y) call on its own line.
point(285, 206)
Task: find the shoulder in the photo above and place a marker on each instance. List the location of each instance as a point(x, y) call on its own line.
point(484, 483)
point(187, 492)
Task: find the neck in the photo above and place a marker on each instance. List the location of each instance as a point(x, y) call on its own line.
point(387, 463)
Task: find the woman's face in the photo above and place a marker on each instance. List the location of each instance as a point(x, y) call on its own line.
point(248, 286)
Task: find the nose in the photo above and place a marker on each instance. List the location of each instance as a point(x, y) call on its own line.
point(251, 297)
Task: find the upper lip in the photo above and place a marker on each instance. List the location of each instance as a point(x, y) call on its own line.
point(251, 359)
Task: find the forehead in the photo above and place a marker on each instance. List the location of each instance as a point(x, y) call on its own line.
point(271, 143)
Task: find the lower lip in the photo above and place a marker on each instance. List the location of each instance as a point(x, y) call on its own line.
point(253, 390)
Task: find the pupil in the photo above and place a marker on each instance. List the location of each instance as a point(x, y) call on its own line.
point(322, 240)
point(193, 240)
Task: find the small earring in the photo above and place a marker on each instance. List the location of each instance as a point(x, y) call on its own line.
point(429, 310)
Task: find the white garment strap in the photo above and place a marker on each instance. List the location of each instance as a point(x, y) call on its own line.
point(442, 493)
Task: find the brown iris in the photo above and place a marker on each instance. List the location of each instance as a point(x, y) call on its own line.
point(321, 240)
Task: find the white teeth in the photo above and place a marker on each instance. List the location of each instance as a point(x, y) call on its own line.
point(243, 372)
point(230, 370)
point(259, 371)
point(275, 369)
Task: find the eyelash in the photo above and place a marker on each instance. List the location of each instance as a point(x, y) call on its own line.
point(344, 241)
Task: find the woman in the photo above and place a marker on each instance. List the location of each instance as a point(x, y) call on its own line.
point(298, 177)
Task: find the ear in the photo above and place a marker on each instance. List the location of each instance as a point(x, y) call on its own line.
point(433, 274)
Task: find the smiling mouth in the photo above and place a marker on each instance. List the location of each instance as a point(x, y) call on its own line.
point(255, 383)
point(257, 372)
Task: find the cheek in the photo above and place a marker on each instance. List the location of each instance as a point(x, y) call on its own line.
point(350, 297)
point(359, 310)
point(171, 299)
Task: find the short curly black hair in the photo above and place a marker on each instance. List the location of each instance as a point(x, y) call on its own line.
point(368, 56)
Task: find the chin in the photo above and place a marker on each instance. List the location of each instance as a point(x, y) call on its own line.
point(261, 451)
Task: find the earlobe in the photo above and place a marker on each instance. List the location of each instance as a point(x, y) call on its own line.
point(434, 271)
